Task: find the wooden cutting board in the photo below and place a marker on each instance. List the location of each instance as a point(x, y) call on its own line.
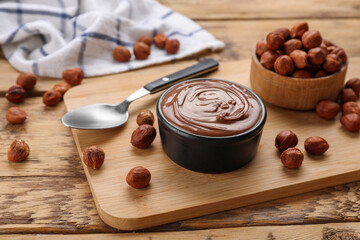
point(176, 193)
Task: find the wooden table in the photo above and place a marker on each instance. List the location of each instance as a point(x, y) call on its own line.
point(49, 194)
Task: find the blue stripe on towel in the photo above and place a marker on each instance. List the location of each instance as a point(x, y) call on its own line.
point(63, 22)
point(36, 12)
point(35, 67)
point(167, 14)
point(76, 25)
point(81, 54)
point(19, 13)
point(118, 22)
point(13, 34)
point(105, 37)
point(185, 34)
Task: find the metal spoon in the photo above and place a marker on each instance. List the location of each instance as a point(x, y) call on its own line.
point(101, 116)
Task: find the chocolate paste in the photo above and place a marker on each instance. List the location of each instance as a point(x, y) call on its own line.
point(211, 108)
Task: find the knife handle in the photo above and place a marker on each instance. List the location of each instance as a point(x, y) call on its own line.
point(196, 70)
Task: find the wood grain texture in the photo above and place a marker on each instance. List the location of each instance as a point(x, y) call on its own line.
point(18, 214)
point(52, 149)
point(69, 208)
point(240, 38)
point(65, 205)
point(262, 9)
point(176, 193)
point(332, 231)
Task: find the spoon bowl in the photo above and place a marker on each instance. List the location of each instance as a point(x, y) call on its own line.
point(96, 116)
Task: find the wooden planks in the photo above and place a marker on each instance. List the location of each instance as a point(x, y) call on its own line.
point(329, 231)
point(18, 214)
point(52, 151)
point(21, 214)
point(65, 205)
point(240, 37)
point(176, 193)
point(332, 204)
point(262, 9)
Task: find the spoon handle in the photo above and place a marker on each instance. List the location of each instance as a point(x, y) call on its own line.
point(196, 70)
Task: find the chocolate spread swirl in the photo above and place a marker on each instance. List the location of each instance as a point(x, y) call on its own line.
point(211, 108)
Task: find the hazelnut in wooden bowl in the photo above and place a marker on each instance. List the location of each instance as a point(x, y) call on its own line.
point(297, 70)
point(210, 125)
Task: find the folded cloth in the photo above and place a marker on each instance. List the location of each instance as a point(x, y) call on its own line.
point(48, 36)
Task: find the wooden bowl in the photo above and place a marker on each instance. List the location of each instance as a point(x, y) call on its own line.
point(294, 93)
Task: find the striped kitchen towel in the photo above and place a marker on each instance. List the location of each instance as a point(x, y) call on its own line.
point(48, 36)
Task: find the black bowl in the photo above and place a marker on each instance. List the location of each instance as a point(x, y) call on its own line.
point(209, 154)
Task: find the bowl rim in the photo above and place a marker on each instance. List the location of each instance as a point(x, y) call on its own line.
point(256, 60)
point(252, 131)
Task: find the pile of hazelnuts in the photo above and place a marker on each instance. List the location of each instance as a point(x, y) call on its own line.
point(19, 150)
point(292, 157)
point(138, 177)
point(26, 82)
point(346, 102)
point(142, 48)
point(300, 53)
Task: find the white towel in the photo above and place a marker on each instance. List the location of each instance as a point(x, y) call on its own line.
point(47, 37)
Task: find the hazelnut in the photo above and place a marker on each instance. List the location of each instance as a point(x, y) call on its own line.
point(320, 73)
point(145, 117)
point(354, 84)
point(15, 115)
point(326, 43)
point(311, 39)
point(141, 50)
point(313, 68)
point(18, 151)
point(299, 29)
point(292, 158)
point(291, 45)
point(317, 55)
point(15, 94)
point(261, 47)
point(324, 50)
point(93, 157)
point(285, 32)
point(51, 98)
point(341, 54)
point(330, 49)
point(327, 109)
point(121, 54)
point(351, 122)
point(62, 87)
point(145, 39)
point(138, 177)
point(73, 76)
point(275, 41)
point(143, 136)
point(285, 139)
point(26, 80)
point(350, 107)
point(284, 65)
point(302, 73)
point(299, 58)
point(160, 40)
point(316, 145)
point(172, 46)
point(268, 59)
point(347, 95)
point(332, 63)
